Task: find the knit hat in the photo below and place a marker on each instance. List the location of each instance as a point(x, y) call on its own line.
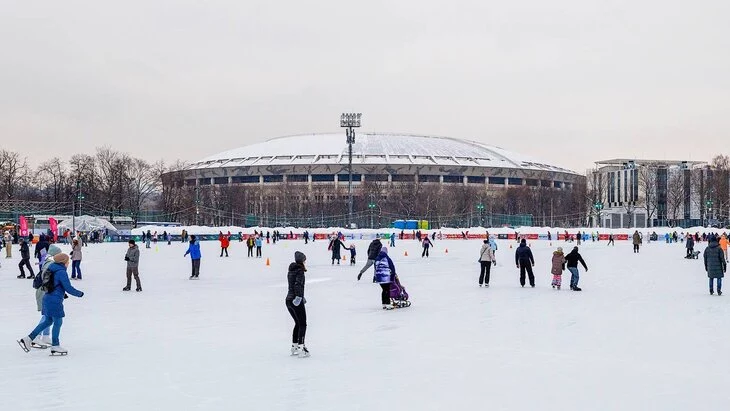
point(560, 249)
point(523, 241)
point(60, 258)
point(384, 250)
point(299, 257)
point(54, 250)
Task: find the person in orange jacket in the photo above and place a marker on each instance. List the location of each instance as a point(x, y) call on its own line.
point(225, 240)
point(723, 244)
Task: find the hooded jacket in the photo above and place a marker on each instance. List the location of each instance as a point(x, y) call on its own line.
point(523, 255)
point(558, 263)
point(384, 269)
point(53, 301)
point(194, 250)
point(132, 257)
point(715, 264)
point(374, 249)
point(295, 278)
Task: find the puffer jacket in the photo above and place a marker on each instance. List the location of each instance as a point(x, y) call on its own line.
point(486, 253)
point(132, 257)
point(523, 255)
point(374, 249)
point(384, 269)
point(77, 253)
point(295, 278)
point(558, 263)
point(715, 264)
point(53, 301)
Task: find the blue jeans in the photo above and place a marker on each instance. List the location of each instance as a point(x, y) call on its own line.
point(574, 277)
point(719, 284)
point(45, 323)
point(76, 268)
point(47, 330)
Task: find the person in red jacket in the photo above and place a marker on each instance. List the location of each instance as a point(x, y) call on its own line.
point(225, 240)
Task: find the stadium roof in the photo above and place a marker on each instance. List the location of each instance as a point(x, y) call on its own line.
point(373, 148)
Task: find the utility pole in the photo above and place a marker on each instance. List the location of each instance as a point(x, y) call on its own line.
point(350, 121)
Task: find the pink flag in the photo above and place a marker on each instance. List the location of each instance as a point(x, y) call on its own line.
point(54, 228)
point(23, 226)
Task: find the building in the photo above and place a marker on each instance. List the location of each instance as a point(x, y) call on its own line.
point(646, 193)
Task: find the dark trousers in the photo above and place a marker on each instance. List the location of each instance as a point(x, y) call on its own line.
point(526, 266)
point(636, 248)
point(76, 269)
point(690, 250)
point(610, 242)
point(196, 267)
point(299, 314)
point(133, 272)
point(250, 251)
point(258, 251)
point(425, 252)
point(25, 263)
point(486, 267)
point(224, 249)
point(385, 295)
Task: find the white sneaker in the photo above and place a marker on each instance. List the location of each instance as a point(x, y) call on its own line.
point(303, 351)
point(295, 349)
point(388, 306)
point(57, 349)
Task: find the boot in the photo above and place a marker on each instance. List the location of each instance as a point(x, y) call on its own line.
point(295, 349)
point(139, 288)
point(388, 306)
point(25, 343)
point(57, 349)
point(303, 352)
point(576, 288)
point(719, 291)
point(22, 275)
point(127, 288)
point(31, 276)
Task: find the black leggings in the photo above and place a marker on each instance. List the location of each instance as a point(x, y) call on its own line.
point(484, 273)
point(385, 295)
point(250, 251)
point(25, 262)
point(299, 314)
point(425, 252)
point(224, 249)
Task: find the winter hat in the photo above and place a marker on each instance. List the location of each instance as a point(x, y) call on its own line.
point(299, 257)
point(560, 249)
point(575, 248)
point(61, 258)
point(54, 250)
point(523, 241)
point(132, 242)
point(384, 250)
point(486, 241)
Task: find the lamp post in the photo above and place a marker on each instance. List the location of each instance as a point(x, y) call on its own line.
point(709, 211)
point(598, 206)
point(371, 206)
point(480, 207)
point(350, 121)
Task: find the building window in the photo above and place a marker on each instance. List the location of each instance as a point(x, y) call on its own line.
point(376, 177)
point(204, 181)
point(497, 180)
point(545, 183)
point(557, 184)
point(476, 179)
point(278, 178)
point(403, 178)
point(428, 178)
point(514, 181)
point(531, 182)
point(220, 180)
point(453, 179)
point(246, 180)
point(324, 178)
point(189, 182)
point(297, 178)
point(356, 178)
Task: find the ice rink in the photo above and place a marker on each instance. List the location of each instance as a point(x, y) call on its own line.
point(644, 334)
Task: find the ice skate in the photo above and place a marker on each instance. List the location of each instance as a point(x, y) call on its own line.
point(294, 350)
point(126, 288)
point(303, 352)
point(32, 276)
point(20, 276)
point(139, 289)
point(39, 343)
point(576, 288)
point(719, 292)
point(388, 306)
point(58, 350)
point(46, 339)
point(25, 343)
point(486, 285)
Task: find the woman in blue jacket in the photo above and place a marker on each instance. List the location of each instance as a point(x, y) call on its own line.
point(194, 251)
point(57, 285)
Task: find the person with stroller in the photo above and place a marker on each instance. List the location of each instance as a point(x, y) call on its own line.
point(373, 251)
point(426, 243)
point(572, 260)
point(295, 303)
point(558, 266)
point(486, 258)
point(715, 264)
point(384, 272)
point(525, 261)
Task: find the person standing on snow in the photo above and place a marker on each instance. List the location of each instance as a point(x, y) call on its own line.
point(295, 302)
point(610, 240)
point(25, 259)
point(259, 242)
point(426, 244)
point(690, 244)
point(194, 251)
point(723, 245)
point(76, 260)
point(132, 259)
point(525, 261)
point(572, 259)
point(558, 266)
point(486, 258)
point(373, 251)
point(636, 239)
point(57, 286)
point(225, 241)
point(715, 264)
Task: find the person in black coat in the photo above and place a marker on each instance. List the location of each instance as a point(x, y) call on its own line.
point(295, 302)
point(525, 261)
point(715, 264)
point(572, 260)
point(25, 259)
point(373, 251)
point(690, 246)
point(336, 245)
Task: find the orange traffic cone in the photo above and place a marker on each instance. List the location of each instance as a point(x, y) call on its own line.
point(344, 258)
point(268, 263)
point(406, 254)
point(510, 246)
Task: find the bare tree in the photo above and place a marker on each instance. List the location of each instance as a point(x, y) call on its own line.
point(648, 191)
point(719, 185)
point(675, 196)
point(13, 174)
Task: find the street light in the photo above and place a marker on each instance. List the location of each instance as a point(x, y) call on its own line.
point(480, 207)
point(350, 121)
point(371, 206)
point(598, 206)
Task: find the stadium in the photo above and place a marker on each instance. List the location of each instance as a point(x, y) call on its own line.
point(300, 175)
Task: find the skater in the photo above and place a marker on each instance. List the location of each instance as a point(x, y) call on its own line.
point(132, 259)
point(57, 285)
point(486, 258)
point(76, 255)
point(147, 239)
point(558, 266)
point(373, 251)
point(636, 240)
point(41, 248)
point(572, 260)
point(194, 251)
point(525, 261)
point(384, 272)
point(295, 303)
point(723, 245)
point(715, 264)
point(25, 259)
point(353, 254)
point(392, 240)
point(493, 245)
point(8, 245)
point(426, 245)
point(44, 339)
point(250, 244)
point(610, 240)
point(336, 244)
point(690, 244)
point(225, 241)
point(259, 243)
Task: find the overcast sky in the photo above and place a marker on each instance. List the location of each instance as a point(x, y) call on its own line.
point(569, 82)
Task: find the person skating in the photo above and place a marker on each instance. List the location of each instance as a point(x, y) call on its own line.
point(384, 272)
point(723, 245)
point(525, 261)
point(373, 251)
point(336, 244)
point(25, 259)
point(295, 304)
point(8, 245)
point(259, 242)
point(572, 260)
point(610, 240)
point(250, 244)
point(44, 339)
point(57, 286)
point(353, 254)
point(636, 239)
point(225, 241)
point(194, 251)
point(426, 243)
point(486, 258)
point(41, 249)
point(558, 266)
point(132, 259)
point(493, 245)
point(76, 255)
point(147, 239)
point(690, 244)
point(715, 264)
point(392, 240)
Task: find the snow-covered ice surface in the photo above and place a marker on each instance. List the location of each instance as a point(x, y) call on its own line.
point(643, 335)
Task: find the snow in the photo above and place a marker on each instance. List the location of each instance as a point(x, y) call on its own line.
point(643, 335)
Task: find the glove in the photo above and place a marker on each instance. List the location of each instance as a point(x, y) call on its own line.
point(297, 301)
point(82, 294)
point(359, 276)
point(126, 258)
